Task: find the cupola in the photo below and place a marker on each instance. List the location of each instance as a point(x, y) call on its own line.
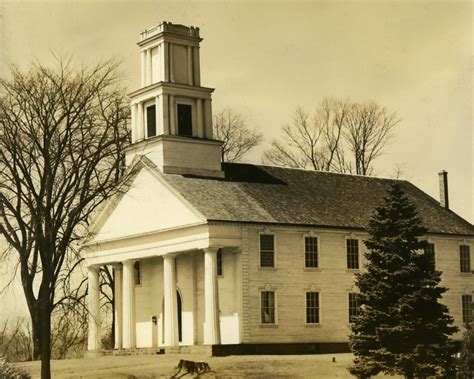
point(172, 112)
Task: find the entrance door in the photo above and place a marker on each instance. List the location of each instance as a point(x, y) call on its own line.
point(180, 318)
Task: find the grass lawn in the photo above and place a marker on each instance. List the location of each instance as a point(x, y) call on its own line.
point(163, 366)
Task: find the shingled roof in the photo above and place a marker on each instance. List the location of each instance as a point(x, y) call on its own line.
point(275, 195)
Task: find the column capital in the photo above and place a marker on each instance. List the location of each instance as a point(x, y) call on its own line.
point(117, 266)
point(212, 249)
point(93, 268)
point(129, 262)
point(169, 255)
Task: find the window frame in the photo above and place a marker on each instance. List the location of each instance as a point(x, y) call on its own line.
point(347, 253)
point(275, 308)
point(137, 273)
point(469, 260)
point(192, 103)
point(434, 252)
point(470, 308)
point(318, 256)
point(260, 251)
point(220, 263)
point(306, 308)
point(349, 305)
point(146, 106)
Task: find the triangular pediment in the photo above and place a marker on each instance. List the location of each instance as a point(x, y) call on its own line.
point(147, 205)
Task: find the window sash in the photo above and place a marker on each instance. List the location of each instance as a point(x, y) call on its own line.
point(430, 248)
point(353, 306)
point(312, 307)
point(352, 247)
point(311, 252)
point(465, 258)
point(467, 309)
point(267, 307)
point(267, 250)
point(219, 263)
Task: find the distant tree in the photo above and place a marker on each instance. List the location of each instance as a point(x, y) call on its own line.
point(340, 136)
point(231, 128)
point(402, 327)
point(62, 131)
point(465, 366)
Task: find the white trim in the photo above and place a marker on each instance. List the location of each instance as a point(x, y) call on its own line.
point(320, 313)
point(274, 267)
point(318, 255)
point(352, 236)
point(275, 299)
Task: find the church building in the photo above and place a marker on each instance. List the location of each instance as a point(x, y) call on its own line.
point(238, 255)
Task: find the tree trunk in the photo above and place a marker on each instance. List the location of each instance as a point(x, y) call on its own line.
point(45, 342)
point(36, 335)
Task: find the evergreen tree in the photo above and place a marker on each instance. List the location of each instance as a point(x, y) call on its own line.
point(466, 362)
point(402, 328)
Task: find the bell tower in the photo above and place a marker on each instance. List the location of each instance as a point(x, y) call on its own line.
point(172, 112)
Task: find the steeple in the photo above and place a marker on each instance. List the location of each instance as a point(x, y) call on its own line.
point(171, 112)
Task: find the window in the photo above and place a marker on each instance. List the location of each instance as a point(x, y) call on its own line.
point(353, 306)
point(219, 263)
point(352, 246)
point(137, 274)
point(312, 307)
point(267, 250)
point(465, 258)
point(467, 309)
point(185, 120)
point(268, 307)
point(311, 252)
point(430, 249)
point(151, 121)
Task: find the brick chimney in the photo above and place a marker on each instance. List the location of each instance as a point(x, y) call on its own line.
point(443, 189)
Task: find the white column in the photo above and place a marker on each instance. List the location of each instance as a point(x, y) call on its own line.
point(190, 65)
point(159, 115)
point(171, 60)
point(140, 122)
point(128, 303)
point(196, 66)
point(170, 311)
point(212, 330)
point(200, 124)
point(165, 62)
point(143, 67)
point(118, 305)
point(165, 113)
point(208, 118)
point(172, 116)
point(94, 340)
point(134, 122)
point(149, 67)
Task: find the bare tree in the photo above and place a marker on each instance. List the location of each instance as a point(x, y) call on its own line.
point(339, 136)
point(231, 128)
point(61, 136)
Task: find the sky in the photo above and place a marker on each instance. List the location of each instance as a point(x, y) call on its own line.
point(266, 58)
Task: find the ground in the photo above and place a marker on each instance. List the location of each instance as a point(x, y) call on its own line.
point(163, 366)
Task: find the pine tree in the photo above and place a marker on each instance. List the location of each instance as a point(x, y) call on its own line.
point(402, 327)
point(465, 368)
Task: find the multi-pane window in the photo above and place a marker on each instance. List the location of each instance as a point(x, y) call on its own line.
point(312, 307)
point(465, 258)
point(268, 307)
point(467, 309)
point(151, 121)
point(219, 263)
point(185, 120)
point(430, 249)
point(137, 273)
point(267, 250)
point(352, 246)
point(353, 306)
point(311, 252)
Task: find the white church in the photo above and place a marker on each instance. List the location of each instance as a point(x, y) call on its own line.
point(241, 257)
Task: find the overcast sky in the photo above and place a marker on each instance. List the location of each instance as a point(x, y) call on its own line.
point(264, 60)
